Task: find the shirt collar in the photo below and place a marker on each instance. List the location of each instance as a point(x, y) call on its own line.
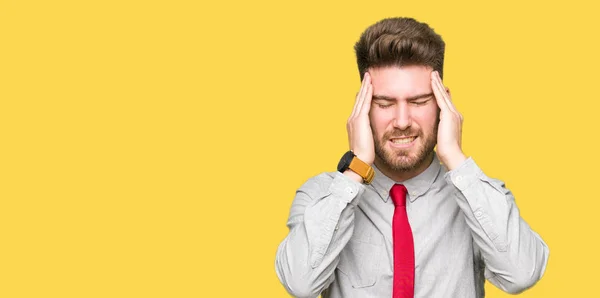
point(416, 186)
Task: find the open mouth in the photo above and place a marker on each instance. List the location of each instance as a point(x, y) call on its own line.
point(403, 141)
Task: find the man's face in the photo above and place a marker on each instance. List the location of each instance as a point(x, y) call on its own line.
point(404, 116)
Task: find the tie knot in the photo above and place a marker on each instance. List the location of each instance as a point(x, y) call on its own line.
point(398, 194)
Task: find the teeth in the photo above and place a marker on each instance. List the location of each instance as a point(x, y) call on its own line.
point(403, 140)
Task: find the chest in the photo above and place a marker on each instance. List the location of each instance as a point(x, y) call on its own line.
point(442, 240)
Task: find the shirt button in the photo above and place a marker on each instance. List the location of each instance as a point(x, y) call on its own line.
point(348, 190)
point(458, 178)
point(478, 213)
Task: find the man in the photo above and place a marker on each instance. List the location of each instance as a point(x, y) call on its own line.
point(393, 221)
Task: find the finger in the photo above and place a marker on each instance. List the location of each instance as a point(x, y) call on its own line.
point(451, 103)
point(354, 107)
point(440, 87)
point(439, 96)
point(448, 99)
point(358, 97)
point(361, 101)
point(366, 107)
point(443, 90)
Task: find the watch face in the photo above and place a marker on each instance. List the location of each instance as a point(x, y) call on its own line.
point(345, 161)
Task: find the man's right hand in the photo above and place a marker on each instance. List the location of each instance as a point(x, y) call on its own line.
point(360, 136)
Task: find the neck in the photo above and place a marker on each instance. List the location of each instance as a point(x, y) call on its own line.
point(400, 176)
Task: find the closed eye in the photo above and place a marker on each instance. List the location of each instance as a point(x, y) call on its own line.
point(420, 102)
point(383, 105)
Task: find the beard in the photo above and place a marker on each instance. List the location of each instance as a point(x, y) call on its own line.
point(405, 160)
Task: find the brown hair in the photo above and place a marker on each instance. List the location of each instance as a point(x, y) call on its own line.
point(399, 42)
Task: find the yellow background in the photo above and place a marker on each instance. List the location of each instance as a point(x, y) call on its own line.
point(153, 148)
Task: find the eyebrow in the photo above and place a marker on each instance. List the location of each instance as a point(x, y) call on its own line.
point(411, 98)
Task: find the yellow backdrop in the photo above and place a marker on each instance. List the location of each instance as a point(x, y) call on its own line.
point(153, 148)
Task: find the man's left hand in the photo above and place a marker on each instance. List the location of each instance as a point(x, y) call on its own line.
point(450, 127)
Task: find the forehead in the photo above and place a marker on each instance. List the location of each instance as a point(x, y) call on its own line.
point(401, 82)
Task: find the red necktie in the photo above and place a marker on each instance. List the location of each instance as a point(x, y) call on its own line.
point(404, 251)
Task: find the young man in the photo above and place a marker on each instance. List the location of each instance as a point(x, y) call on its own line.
point(399, 219)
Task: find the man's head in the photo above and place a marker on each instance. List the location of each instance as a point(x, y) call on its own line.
point(400, 54)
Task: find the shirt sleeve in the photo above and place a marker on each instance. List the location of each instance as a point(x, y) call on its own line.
point(514, 255)
point(321, 222)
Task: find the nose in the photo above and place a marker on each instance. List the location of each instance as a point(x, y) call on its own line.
point(402, 119)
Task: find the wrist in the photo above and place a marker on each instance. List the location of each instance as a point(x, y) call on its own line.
point(356, 177)
point(454, 160)
point(367, 160)
point(351, 162)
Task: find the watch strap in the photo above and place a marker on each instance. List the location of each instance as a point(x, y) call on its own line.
point(363, 169)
